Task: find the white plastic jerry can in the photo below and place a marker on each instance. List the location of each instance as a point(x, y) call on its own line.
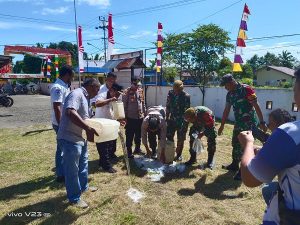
point(118, 110)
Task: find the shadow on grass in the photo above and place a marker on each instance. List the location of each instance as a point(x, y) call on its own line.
point(21, 189)
point(51, 211)
point(6, 115)
point(184, 175)
point(216, 189)
point(35, 132)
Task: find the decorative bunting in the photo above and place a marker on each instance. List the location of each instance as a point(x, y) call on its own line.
point(240, 42)
point(237, 67)
point(243, 25)
point(238, 59)
point(246, 9)
point(48, 69)
point(56, 66)
point(80, 50)
point(111, 41)
point(159, 47)
point(242, 35)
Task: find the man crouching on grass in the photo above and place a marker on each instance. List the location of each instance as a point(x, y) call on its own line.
point(75, 155)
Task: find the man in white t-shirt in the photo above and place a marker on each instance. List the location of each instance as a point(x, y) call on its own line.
point(107, 149)
point(59, 91)
point(111, 79)
point(280, 156)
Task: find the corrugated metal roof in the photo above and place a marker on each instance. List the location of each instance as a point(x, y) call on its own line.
point(282, 69)
point(127, 63)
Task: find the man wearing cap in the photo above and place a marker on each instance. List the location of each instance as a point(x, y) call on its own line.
point(154, 125)
point(246, 109)
point(203, 121)
point(178, 101)
point(134, 108)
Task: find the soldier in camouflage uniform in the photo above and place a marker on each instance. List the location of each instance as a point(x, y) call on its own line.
point(246, 109)
point(203, 121)
point(178, 101)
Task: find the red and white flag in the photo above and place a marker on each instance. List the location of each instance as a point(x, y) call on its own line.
point(111, 41)
point(80, 50)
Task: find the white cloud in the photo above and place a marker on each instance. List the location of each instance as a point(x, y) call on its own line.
point(57, 28)
point(116, 51)
point(124, 27)
point(4, 25)
point(14, 25)
point(142, 34)
point(102, 3)
point(35, 2)
point(53, 11)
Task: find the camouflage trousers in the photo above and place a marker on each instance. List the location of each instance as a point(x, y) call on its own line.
point(181, 131)
point(211, 135)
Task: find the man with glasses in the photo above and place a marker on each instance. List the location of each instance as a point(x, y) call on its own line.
point(134, 107)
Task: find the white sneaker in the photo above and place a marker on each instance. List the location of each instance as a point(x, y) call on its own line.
point(81, 204)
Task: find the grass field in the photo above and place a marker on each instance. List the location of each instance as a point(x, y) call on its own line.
point(193, 197)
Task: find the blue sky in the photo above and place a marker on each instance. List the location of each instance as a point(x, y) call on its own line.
point(55, 22)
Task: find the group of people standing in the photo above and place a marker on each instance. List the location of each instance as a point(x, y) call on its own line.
point(157, 125)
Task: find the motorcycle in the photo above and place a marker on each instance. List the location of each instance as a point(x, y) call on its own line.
point(6, 101)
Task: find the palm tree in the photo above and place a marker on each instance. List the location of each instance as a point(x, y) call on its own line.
point(287, 59)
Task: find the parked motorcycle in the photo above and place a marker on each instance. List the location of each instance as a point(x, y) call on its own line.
point(6, 101)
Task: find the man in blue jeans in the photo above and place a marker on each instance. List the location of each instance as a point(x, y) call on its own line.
point(75, 154)
point(59, 91)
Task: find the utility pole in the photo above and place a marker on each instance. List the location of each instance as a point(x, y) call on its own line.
point(103, 20)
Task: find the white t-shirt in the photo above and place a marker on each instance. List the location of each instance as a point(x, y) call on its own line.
point(59, 91)
point(280, 156)
point(104, 111)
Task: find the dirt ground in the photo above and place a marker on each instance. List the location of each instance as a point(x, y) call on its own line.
point(26, 110)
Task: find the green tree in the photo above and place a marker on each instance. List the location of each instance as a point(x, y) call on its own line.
point(18, 67)
point(96, 57)
point(270, 59)
point(169, 73)
point(67, 46)
point(287, 59)
point(32, 64)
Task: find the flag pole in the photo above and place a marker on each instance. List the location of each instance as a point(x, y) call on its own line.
point(75, 15)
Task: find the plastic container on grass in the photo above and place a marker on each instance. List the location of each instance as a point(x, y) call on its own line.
point(107, 129)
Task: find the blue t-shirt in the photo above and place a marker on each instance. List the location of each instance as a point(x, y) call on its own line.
point(78, 100)
point(280, 156)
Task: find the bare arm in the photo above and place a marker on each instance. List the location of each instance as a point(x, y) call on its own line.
point(100, 103)
point(57, 111)
point(246, 140)
point(224, 118)
point(258, 111)
point(76, 119)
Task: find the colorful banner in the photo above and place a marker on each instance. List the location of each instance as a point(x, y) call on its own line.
point(240, 42)
point(80, 50)
point(159, 47)
point(111, 41)
point(56, 66)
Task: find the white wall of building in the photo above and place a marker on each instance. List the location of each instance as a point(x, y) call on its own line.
point(215, 98)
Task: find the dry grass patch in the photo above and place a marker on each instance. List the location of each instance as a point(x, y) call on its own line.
point(192, 197)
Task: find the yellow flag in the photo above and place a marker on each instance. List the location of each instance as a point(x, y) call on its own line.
point(242, 35)
point(159, 44)
point(158, 69)
point(237, 67)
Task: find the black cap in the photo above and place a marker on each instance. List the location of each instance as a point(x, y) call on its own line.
point(110, 74)
point(226, 79)
point(153, 123)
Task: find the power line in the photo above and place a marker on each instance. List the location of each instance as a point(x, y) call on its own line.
point(206, 17)
point(157, 7)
